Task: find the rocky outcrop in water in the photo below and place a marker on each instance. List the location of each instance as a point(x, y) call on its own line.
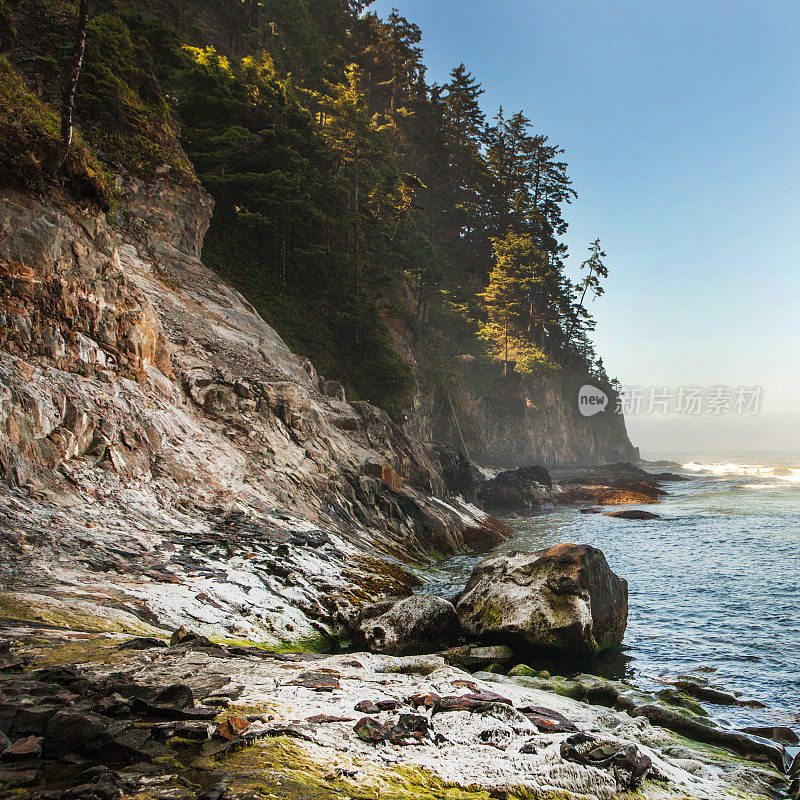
point(564, 599)
point(610, 484)
point(632, 513)
point(531, 487)
point(516, 489)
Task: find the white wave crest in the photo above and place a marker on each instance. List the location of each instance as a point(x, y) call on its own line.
point(773, 472)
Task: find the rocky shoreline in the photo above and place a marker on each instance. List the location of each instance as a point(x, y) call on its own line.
point(123, 722)
point(170, 466)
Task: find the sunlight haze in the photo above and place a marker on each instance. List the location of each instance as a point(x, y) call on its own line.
point(680, 123)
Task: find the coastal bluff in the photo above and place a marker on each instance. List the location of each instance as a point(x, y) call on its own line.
point(184, 500)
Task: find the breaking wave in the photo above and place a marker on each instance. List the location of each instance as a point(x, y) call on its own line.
point(773, 472)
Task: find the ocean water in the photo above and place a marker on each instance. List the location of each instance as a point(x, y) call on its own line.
point(714, 585)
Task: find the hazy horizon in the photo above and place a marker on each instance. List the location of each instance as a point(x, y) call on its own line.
point(680, 124)
point(656, 435)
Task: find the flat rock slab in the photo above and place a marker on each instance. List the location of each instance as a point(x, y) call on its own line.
point(318, 681)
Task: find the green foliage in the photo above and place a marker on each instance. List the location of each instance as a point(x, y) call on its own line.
point(301, 209)
point(8, 31)
point(509, 301)
point(350, 194)
point(121, 102)
point(31, 152)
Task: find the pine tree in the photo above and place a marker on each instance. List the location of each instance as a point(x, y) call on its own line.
point(507, 298)
point(596, 270)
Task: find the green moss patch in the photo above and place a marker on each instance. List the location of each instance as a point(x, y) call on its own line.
point(281, 768)
point(71, 613)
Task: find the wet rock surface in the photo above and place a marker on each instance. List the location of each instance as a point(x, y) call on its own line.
point(418, 717)
point(564, 599)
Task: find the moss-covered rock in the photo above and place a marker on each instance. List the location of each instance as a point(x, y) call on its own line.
point(564, 599)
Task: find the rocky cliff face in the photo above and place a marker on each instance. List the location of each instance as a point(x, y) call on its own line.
point(516, 420)
point(165, 457)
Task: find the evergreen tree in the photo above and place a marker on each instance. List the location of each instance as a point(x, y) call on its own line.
point(348, 189)
point(596, 270)
point(507, 298)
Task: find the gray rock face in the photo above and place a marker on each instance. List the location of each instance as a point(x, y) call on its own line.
point(166, 460)
point(417, 624)
point(564, 599)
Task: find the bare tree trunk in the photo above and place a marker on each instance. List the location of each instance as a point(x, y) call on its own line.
point(71, 89)
point(284, 228)
point(505, 358)
point(357, 232)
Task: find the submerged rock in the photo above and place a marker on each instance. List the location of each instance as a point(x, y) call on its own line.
point(632, 513)
point(417, 624)
point(563, 599)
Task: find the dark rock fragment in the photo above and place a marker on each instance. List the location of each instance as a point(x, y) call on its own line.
point(33, 720)
point(370, 730)
point(413, 723)
point(423, 700)
point(547, 720)
point(216, 792)
point(318, 681)
point(232, 727)
point(628, 765)
point(29, 747)
point(474, 701)
point(324, 719)
point(8, 661)
point(190, 729)
point(142, 643)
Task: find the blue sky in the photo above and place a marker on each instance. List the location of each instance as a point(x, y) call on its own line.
point(681, 125)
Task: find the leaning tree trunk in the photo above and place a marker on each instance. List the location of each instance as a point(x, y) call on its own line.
point(71, 89)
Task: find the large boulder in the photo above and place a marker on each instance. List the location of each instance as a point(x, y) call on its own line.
point(418, 624)
point(564, 599)
point(515, 489)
